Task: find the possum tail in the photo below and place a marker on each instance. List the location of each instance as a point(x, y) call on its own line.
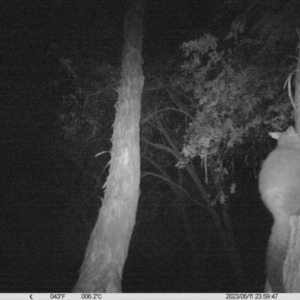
point(276, 255)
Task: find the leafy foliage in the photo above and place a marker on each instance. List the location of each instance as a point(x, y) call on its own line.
point(235, 102)
point(234, 89)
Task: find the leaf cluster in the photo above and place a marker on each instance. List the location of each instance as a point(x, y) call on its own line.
point(236, 101)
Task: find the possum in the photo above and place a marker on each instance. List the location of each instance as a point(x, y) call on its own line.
point(279, 185)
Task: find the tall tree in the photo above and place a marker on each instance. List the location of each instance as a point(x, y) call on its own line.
point(107, 249)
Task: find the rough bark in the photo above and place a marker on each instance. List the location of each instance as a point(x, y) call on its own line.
point(297, 92)
point(107, 250)
point(291, 269)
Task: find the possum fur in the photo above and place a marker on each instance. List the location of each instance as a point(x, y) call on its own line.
point(279, 185)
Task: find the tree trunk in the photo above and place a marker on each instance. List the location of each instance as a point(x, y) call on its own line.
point(107, 250)
point(291, 269)
point(199, 269)
point(230, 246)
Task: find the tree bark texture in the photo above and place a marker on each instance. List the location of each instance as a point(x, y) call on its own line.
point(107, 249)
point(291, 269)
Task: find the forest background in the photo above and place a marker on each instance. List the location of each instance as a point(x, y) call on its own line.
point(214, 77)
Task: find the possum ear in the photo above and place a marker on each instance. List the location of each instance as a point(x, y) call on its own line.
point(291, 131)
point(275, 135)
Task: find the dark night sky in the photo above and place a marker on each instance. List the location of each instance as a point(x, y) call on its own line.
point(40, 23)
point(34, 256)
